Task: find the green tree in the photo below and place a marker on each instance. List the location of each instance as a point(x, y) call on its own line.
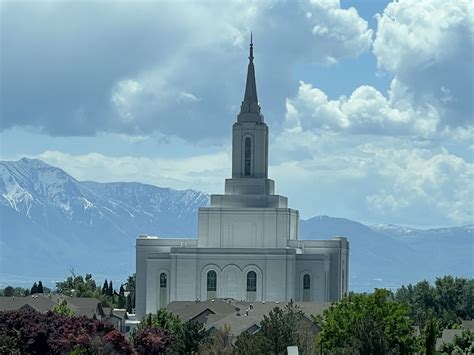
point(247, 344)
point(189, 337)
point(220, 343)
point(163, 319)
point(8, 291)
point(105, 287)
point(280, 329)
point(450, 300)
point(110, 291)
point(34, 289)
point(40, 287)
point(77, 286)
point(121, 298)
point(431, 331)
point(367, 324)
point(130, 287)
point(129, 304)
point(62, 309)
point(461, 344)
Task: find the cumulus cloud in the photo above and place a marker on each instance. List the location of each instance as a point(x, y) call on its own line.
point(76, 68)
point(389, 180)
point(338, 33)
point(428, 46)
point(365, 111)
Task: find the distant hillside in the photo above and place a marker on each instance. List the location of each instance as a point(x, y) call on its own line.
point(388, 255)
point(51, 221)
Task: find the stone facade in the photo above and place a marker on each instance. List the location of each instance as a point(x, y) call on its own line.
point(247, 246)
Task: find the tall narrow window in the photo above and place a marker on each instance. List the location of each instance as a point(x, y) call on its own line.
point(163, 290)
point(248, 156)
point(211, 284)
point(251, 286)
point(306, 288)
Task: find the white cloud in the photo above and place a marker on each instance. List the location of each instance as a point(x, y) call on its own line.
point(202, 172)
point(427, 45)
point(338, 33)
point(389, 180)
point(160, 66)
point(365, 111)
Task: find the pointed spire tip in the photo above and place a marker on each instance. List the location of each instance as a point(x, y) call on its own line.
point(251, 47)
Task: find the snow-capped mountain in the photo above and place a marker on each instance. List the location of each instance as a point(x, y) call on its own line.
point(50, 222)
point(389, 255)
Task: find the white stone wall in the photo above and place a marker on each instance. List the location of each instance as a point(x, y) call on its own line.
point(279, 271)
point(247, 227)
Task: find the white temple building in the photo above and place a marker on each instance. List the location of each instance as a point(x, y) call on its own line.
point(247, 246)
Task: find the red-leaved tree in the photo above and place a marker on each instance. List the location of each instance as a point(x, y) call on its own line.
point(32, 332)
point(152, 341)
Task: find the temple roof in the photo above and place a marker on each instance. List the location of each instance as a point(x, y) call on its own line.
point(250, 103)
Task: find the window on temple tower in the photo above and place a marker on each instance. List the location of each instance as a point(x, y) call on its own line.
point(163, 290)
point(248, 156)
point(306, 288)
point(211, 284)
point(251, 286)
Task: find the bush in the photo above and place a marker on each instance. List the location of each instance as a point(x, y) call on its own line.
point(152, 341)
point(31, 332)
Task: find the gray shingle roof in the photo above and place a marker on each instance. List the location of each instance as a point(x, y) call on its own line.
point(89, 307)
point(190, 309)
point(239, 316)
point(41, 304)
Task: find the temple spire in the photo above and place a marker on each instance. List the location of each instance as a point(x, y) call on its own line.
point(251, 48)
point(250, 103)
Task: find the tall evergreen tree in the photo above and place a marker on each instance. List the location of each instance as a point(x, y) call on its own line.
point(40, 287)
point(129, 303)
point(111, 289)
point(121, 299)
point(34, 289)
point(105, 288)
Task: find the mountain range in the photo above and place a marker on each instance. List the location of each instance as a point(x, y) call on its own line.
point(51, 222)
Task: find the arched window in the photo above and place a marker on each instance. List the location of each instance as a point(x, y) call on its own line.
point(211, 284)
point(163, 280)
point(306, 282)
point(248, 156)
point(251, 281)
point(163, 296)
point(251, 286)
point(306, 288)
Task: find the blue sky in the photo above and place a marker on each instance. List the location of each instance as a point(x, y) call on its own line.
point(369, 103)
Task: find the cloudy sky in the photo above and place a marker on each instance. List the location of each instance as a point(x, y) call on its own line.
point(369, 103)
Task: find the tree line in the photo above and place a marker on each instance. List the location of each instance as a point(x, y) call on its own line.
point(406, 321)
point(79, 286)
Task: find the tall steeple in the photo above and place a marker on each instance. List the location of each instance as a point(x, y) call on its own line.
point(250, 103)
